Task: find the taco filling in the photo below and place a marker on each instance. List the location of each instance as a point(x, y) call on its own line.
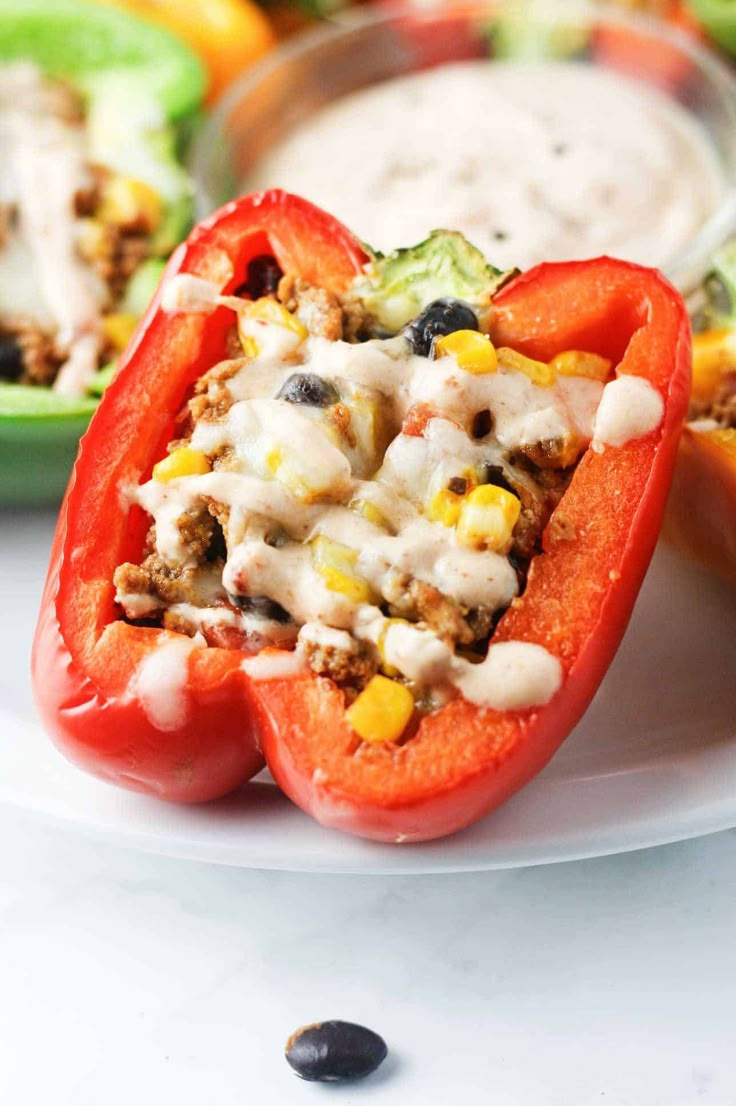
point(365, 482)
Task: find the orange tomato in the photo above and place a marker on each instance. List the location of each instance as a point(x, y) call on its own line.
point(228, 35)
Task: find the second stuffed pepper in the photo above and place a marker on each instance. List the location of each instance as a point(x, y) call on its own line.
point(93, 197)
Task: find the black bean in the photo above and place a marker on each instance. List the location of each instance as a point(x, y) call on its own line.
point(308, 389)
point(261, 278)
point(11, 358)
point(334, 1050)
point(443, 316)
point(482, 424)
point(494, 474)
point(260, 605)
point(458, 485)
point(217, 549)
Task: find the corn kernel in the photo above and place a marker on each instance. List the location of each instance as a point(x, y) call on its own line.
point(335, 563)
point(487, 518)
point(472, 350)
point(274, 460)
point(370, 513)
point(286, 471)
point(327, 551)
point(269, 310)
point(714, 352)
point(444, 507)
point(118, 328)
point(130, 203)
point(539, 372)
point(352, 587)
point(182, 462)
point(93, 240)
point(382, 710)
point(573, 362)
point(386, 668)
point(250, 346)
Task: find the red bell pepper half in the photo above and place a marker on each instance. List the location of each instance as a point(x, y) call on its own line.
point(463, 760)
point(90, 670)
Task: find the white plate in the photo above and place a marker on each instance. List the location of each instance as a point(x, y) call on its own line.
point(654, 760)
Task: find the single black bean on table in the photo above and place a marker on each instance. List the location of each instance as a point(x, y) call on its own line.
point(334, 1050)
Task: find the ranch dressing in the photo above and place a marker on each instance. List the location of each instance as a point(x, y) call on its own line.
point(532, 162)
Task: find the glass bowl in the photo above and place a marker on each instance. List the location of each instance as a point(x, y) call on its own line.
point(366, 47)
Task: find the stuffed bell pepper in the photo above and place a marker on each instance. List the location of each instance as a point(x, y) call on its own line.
point(380, 519)
point(92, 197)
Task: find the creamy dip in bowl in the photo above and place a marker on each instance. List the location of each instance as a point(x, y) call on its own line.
point(401, 122)
point(551, 160)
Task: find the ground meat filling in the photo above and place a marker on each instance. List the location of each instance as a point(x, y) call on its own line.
point(28, 354)
point(189, 593)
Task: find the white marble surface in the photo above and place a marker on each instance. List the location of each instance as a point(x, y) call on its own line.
point(129, 978)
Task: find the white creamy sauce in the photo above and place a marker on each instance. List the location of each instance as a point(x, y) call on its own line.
point(514, 675)
point(630, 408)
point(44, 165)
point(273, 666)
point(188, 293)
point(160, 683)
point(532, 162)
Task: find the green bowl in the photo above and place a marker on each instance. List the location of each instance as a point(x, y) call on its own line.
point(38, 443)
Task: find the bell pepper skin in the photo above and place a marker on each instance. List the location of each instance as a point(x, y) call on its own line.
point(195, 739)
point(463, 761)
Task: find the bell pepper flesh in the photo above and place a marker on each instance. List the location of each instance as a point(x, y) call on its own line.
point(463, 760)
